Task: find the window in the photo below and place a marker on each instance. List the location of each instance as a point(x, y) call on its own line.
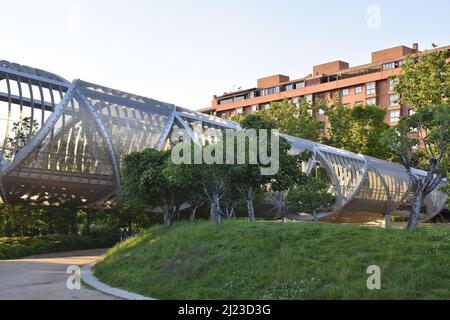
point(371, 88)
point(309, 99)
point(225, 101)
point(358, 103)
point(389, 66)
point(239, 110)
point(358, 89)
point(371, 102)
point(345, 92)
point(300, 85)
point(393, 99)
point(266, 92)
point(394, 116)
point(254, 107)
point(393, 83)
point(289, 87)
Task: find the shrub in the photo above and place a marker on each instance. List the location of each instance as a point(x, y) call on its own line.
point(13, 248)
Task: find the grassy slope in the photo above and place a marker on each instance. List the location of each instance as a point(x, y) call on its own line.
point(268, 260)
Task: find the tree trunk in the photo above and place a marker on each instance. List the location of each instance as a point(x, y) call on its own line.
point(388, 221)
point(414, 213)
point(215, 211)
point(193, 211)
point(315, 216)
point(167, 215)
point(230, 212)
point(250, 206)
point(284, 203)
point(178, 211)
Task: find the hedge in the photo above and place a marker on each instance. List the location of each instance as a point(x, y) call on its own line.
point(14, 248)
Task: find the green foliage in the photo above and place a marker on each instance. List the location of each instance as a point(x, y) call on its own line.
point(248, 177)
point(357, 129)
point(299, 121)
point(425, 80)
point(310, 197)
point(20, 221)
point(258, 121)
point(272, 260)
point(14, 248)
point(21, 132)
point(239, 118)
point(144, 184)
point(422, 139)
point(151, 180)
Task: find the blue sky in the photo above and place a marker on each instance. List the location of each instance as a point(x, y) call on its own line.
point(183, 52)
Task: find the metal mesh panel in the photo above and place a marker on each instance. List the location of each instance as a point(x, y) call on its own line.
point(133, 123)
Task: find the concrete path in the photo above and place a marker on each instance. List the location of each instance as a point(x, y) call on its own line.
point(44, 277)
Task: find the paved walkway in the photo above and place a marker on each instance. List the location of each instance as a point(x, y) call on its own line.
point(44, 277)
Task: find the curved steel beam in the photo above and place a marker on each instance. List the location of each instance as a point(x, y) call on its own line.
point(333, 177)
point(361, 183)
point(166, 130)
point(43, 132)
point(105, 135)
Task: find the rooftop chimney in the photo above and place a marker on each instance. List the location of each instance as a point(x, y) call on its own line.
point(416, 47)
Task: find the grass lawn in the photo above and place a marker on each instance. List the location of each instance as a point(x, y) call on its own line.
point(271, 260)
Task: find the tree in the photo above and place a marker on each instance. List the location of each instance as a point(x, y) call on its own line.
point(149, 181)
point(190, 190)
point(208, 167)
point(248, 178)
point(422, 139)
point(231, 201)
point(310, 197)
point(296, 120)
point(21, 132)
point(290, 173)
point(212, 177)
point(425, 79)
point(357, 129)
point(340, 121)
point(196, 200)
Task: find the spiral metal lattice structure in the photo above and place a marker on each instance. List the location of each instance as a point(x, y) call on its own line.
point(79, 133)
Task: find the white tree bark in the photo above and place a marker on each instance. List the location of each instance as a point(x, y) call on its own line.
point(167, 215)
point(215, 208)
point(250, 206)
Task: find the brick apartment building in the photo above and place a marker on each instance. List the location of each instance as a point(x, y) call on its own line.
point(364, 84)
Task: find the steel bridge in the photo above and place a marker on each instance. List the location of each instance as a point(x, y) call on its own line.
point(71, 153)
